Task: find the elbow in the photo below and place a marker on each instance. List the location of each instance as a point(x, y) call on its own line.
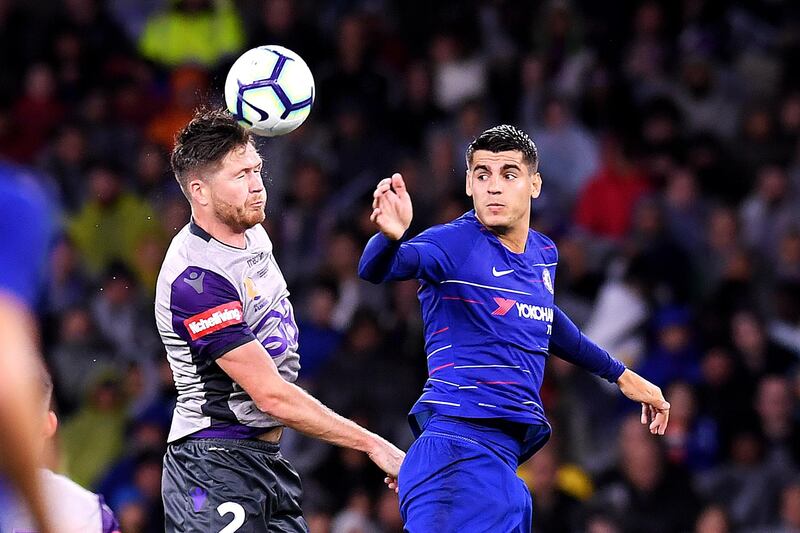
point(271, 400)
point(271, 404)
point(365, 273)
point(362, 269)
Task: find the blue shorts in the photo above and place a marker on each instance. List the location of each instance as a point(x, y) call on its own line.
point(461, 477)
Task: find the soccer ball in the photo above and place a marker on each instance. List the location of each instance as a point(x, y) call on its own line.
point(269, 90)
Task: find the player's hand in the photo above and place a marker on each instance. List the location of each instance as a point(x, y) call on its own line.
point(391, 207)
point(655, 409)
point(388, 457)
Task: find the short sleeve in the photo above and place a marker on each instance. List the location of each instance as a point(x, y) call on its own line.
point(109, 522)
point(207, 313)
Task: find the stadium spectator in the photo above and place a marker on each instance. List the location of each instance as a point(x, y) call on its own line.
point(111, 224)
point(192, 31)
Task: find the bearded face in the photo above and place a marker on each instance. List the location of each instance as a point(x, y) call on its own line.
point(240, 217)
point(237, 194)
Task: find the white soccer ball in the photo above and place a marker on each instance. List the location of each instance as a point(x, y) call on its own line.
point(270, 90)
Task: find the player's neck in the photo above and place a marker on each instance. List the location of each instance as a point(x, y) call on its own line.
point(220, 231)
point(515, 242)
point(513, 238)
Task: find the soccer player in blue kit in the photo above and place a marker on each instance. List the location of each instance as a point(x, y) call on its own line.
point(486, 291)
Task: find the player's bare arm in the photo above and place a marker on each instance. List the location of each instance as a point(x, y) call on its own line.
point(655, 409)
point(252, 368)
point(391, 207)
point(18, 429)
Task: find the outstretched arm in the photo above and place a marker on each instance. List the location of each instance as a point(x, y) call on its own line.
point(570, 344)
point(383, 257)
point(252, 368)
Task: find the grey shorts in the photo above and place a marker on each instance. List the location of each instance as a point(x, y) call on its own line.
point(226, 485)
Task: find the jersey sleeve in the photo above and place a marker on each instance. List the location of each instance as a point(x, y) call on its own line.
point(207, 313)
point(108, 522)
point(429, 256)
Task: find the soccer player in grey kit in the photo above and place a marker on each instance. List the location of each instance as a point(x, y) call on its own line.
point(224, 316)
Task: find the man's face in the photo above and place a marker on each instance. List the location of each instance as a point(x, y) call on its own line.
point(501, 186)
point(237, 189)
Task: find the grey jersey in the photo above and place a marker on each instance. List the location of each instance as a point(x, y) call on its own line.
point(70, 507)
point(210, 299)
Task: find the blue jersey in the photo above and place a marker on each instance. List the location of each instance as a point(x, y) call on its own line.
point(25, 231)
point(489, 320)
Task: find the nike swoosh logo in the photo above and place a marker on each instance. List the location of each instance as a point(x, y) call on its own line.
point(498, 273)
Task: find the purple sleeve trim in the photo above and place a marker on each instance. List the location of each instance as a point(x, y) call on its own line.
point(209, 303)
point(109, 523)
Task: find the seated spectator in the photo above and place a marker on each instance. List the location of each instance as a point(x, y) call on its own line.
point(79, 357)
point(554, 509)
point(757, 354)
point(675, 356)
point(693, 439)
point(747, 486)
point(643, 489)
point(92, 439)
point(713, 519)
point(112, 223)
point(605, 205)
point(193, 31)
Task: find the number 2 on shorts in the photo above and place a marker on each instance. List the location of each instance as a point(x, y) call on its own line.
point(238, 516)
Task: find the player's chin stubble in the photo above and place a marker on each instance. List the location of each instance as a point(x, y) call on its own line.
point(239, 218)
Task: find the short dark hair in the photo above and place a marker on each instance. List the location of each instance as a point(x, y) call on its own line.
point(204, 142)
point(506, 138)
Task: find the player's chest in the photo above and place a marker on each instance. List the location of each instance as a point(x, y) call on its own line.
point(261, 284)
point(530, 276)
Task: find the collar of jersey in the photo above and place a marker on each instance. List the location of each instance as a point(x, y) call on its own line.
point(194, 229)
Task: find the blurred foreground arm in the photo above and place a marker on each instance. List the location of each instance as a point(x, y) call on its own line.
point(19, 407)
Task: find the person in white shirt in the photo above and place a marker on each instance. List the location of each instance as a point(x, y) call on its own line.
point(69, 507)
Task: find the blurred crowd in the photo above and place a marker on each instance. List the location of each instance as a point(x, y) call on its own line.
point(669, 138)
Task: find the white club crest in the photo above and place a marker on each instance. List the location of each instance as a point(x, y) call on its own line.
point(548, 281)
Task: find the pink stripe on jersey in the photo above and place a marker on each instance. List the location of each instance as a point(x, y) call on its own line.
point(440, 330)
point(462, 299)
point(439, 368)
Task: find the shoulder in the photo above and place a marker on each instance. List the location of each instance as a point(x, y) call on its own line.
point(191, 277)
point(259, 237)
point(186, 251)
point(27, 225)
point(22, 188)
point(56, 484)
point(464, 229)
point(74, 508)
point(545, 245)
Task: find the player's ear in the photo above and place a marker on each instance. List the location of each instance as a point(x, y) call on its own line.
point(198, 190)
point(536, 185)
point(468, 184)
point(51, 425)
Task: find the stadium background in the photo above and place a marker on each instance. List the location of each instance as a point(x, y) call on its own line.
point(668, 134)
